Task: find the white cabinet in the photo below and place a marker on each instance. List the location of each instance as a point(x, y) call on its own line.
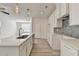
point(69, 46)
point(52, 22)
point(29, 46)
point(58, 9)
point(67, 50)
point(64, 9)
point(55, 19)
point(74, 13)
point(56, 41)
point(23, 50)
point(26, 47)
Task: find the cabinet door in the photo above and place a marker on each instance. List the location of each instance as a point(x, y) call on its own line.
point(56, 41)
point(29, 46)
point(58, 9)
point(23, 50)
point(64, 9)
point(55, 18)
point(67, 50)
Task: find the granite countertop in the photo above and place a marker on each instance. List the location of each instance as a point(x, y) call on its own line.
point(73, 43)
point(13, 42)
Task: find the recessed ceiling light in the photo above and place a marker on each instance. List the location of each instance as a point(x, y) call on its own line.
point(42, 12)
point(46, 6)
point(28, 9)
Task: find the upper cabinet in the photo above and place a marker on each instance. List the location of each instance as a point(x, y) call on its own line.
point(62, 9)
point(74, 13)
point(57, 10)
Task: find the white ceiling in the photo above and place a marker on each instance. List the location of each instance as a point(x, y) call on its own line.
point(35, 9)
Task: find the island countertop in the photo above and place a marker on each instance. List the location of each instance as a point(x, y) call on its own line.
point(13, 42)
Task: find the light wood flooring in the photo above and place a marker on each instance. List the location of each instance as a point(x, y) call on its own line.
point(42, 48)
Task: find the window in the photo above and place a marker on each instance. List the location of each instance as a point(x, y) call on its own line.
point(27, 27)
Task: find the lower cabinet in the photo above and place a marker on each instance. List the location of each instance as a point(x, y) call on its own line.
point(56, 41)
point(23, 49)
point(29, 46)
point(26, 47)
point(67, 50)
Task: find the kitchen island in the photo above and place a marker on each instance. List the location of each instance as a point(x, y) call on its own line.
point(16, 47)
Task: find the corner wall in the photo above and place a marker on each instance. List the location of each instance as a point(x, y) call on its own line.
point(8, 27)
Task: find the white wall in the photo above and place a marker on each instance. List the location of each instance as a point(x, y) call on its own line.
point(40, 28)
point(8, 27)
point(74, 13)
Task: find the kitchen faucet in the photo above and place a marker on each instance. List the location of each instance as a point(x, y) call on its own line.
point(20, 31)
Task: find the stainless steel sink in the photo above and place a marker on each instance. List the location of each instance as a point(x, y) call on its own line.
point(22, 37)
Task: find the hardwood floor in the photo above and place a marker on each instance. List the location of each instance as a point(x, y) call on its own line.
point(42, 48)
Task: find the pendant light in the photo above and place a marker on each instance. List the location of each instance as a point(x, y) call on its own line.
point(17, 8)
point(28, 14)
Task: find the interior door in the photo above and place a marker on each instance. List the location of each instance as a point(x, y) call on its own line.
point(36, 28)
